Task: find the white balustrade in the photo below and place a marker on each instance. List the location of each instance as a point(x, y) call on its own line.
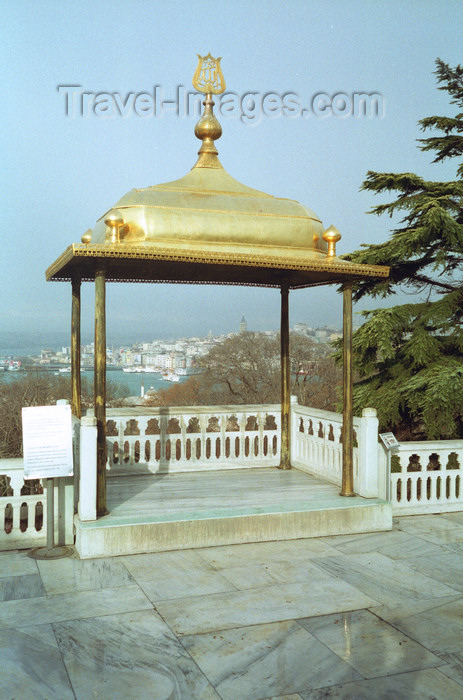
point(427, 477)
point(316, 446)
point(23, 518)
point(187, 439)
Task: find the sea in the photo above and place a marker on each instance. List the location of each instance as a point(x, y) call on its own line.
point(131, 380)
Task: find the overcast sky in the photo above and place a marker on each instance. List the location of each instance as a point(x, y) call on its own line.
point(63, 171)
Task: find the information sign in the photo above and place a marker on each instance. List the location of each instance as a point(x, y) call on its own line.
point(47, 441)
point(389, 440)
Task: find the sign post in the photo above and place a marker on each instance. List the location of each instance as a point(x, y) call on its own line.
point(390, 442)
point(47, 449)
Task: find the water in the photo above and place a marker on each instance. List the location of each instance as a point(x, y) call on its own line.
point(131, 380)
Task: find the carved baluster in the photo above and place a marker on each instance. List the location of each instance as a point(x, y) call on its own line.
point(203, 421)
point(17, 516)
point(183, 434)
point(223, 435)
point(242, 424)
point(260, 426)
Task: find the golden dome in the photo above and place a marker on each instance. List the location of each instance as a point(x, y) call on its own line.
point(208, 227)
point(209, 209)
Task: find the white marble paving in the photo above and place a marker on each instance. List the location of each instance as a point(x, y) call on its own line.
point(453, 667)
point(72, 574)
point(433, 528)
point(261, 605)
point(247, 576)
point(43, 633)
point(254, 662)
point(442, 567)
point(129, 656)
point(454, 547)
point(265, 552)
point(385, 580)
point(401, 610)
point(31, 667)
point(429, 684)
point(370, 616)
point(68, 606)
point(439, 628)
point(268, 563)
point(207, 491)
point(368, 644)
point(394, 544)
point(274, 572)
point(19, 587)
point(166, 575)
point(456, 517)
point(16, 564)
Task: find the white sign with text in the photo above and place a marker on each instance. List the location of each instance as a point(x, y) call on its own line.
point(47, 442)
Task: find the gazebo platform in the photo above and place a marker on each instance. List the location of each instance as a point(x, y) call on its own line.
point(158, 512)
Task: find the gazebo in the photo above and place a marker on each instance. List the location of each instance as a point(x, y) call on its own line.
point(208, 228)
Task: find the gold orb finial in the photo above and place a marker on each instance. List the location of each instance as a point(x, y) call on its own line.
point(331, 236)
point(87, 236)
point(113, 221)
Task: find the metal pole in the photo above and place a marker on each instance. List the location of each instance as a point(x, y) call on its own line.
point(285, 460)
point(50, 514)
point(50, 551)
point(347, 488)
point(100, 389)
point(76, 404)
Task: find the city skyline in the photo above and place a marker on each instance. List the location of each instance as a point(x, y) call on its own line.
point(55, 342)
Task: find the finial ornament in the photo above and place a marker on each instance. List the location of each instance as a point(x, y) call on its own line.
point(113, 221)
point(331, 236)
point(208, 77)
point(87, 236)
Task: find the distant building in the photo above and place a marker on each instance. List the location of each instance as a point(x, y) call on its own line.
point(243, 326)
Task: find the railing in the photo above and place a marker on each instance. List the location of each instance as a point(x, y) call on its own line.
point(186, 439)
point(23, 508)
point(427, 477)
point(317, 447)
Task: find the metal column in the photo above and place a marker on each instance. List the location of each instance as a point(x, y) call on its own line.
point(285, 460)
point(347, 488)
point(76, 404)
point(100, 389)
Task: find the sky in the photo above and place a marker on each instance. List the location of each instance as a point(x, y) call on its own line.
point(63, 169)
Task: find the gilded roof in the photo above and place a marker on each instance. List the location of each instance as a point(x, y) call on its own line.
point(208, 227)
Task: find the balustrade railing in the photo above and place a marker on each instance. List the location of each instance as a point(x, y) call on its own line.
point(317, 446)
point(427, 477)
point(186, 439)
point(23, 508)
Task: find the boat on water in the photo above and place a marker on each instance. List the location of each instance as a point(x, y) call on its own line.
point(171, 377)
point(141, 370)
point(12, 366)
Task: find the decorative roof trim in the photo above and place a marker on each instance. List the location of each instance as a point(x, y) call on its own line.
point(173, 254)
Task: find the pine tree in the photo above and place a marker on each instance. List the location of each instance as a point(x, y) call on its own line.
point(410, 357)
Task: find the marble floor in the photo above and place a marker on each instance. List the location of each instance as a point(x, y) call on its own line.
point(161, 512)
point(377, 615)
